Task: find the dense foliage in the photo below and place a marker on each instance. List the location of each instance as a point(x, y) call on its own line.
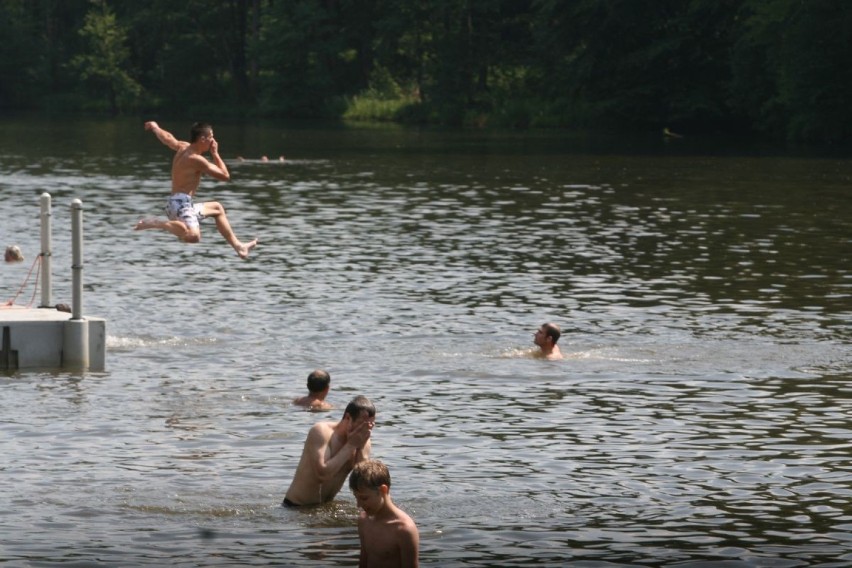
point(773, 66)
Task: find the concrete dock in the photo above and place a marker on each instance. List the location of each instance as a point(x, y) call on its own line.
point(45, 337)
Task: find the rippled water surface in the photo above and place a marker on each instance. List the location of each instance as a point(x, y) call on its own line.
point(701, 416)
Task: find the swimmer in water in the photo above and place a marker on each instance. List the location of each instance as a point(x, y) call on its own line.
point(188, 165)
point(319, 383)
point(546, 338)
point(13, 254)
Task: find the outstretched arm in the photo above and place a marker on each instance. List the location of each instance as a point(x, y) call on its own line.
point(163, 136)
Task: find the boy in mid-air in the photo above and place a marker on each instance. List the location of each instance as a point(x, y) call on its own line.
point(188, 166)
point(388, 536)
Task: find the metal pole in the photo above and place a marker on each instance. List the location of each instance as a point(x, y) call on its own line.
point(75, 351)
point(77, 259)
point(46, 252)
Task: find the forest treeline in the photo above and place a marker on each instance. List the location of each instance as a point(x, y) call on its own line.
point(775, 67)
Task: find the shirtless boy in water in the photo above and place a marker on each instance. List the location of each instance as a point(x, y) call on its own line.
point(388, 535)
point(319, 382)
point(188, 165)
point(330, 452)
point(546, 337)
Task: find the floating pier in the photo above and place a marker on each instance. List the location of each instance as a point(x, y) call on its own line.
point(48, 337)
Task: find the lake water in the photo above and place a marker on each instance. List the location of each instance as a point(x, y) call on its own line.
point(701, 416)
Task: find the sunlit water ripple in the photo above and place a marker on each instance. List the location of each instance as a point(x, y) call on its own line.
point(700, 418)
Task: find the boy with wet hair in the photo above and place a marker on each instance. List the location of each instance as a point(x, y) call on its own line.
point(319, 383)
point(331, 451)
point(387, 534)
point(546, 337)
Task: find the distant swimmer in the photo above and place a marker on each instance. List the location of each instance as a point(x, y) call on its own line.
point(263, 159)
point(188, 165)
point(546, 338)
point(13, 254)
point(319, 383)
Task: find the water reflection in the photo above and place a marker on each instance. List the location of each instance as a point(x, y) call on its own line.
point(700, 416)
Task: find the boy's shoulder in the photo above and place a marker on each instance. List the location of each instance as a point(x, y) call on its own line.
point(312, 403)
point(318, 405)
point(401, 519)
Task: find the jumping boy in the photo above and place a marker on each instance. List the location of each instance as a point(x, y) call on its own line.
point(388, 536)
point(188, 165)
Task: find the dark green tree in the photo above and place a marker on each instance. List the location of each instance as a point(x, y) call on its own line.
point(462, 58)
point(103, 66)
point(39, 38)
point(791, 75)
point(629, 63)
point(19, 51)
point(312, 54)
point(778, 66)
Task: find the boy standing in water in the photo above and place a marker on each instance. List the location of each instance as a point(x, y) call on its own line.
point(330, 452)
point(319, 382)
point(188, 165)
point(388, 536)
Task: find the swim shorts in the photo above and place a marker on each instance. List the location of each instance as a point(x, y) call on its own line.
point(179, 207)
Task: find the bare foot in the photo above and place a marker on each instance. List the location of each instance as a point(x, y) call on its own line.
point(148, 224)
point(244, 248)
